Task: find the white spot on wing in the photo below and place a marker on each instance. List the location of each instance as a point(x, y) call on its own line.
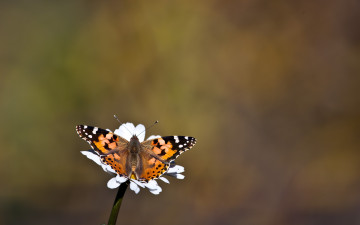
point(186, 137)
point(95, 130)
point(85, 127)
point(176, 139)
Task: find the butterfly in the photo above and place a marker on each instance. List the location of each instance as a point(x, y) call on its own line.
point(142, 161)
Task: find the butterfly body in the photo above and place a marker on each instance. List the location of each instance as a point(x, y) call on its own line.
point(133, 159)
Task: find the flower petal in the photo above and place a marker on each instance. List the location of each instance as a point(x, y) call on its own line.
point(140, 132)
point(96, 158)
point(175, 169)
point(153, 187)
point(152, 184)
point(134, 187)
point(176, 175)
point(153, 137)
point(126, 130)
point(164, 179)
point(93, 156)
point(121, 179)
point(156, 191)
point(138, 183)
point(112, 183)
point(179, 176)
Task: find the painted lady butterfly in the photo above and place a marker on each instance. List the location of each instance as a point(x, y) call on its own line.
point(131, 159)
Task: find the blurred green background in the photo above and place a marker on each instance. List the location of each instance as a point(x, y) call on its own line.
point(269, 88)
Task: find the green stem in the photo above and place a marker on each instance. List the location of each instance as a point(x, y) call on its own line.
point(117, 203)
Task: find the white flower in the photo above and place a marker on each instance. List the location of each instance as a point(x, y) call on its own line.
point(126, 131)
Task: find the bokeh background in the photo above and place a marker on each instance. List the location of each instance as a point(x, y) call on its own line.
point(269, 88)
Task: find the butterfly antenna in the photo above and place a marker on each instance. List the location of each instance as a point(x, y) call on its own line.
point(122, 123)
point(146, 129)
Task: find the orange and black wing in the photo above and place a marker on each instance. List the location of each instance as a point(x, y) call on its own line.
point(110, 147)
point(149, 167)
point(158, 153)
point(170, 147)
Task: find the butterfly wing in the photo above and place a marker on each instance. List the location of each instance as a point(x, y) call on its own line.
point(117, 161)
point(110, 147)
point(159, 152)
point(149, 167)
point(170, 147)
